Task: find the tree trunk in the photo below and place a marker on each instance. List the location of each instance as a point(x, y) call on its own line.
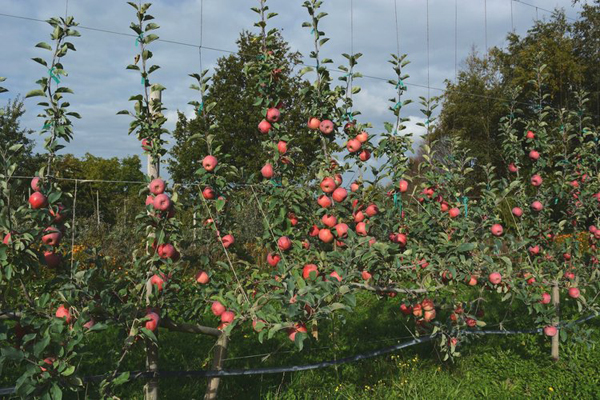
point(218, 360)
point(556, 303)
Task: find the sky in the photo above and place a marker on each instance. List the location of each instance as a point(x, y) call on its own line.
point(102, 85)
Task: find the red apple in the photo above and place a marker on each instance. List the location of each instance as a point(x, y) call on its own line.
point(52, 259)
point(359, 216)
point(354, 186)
point(35, 184)
point(328, 185)
point(326, 127)
point(335, 275)
point(166, 250)
point(341, 230)
point(264, 127)
point(162, 202)
point(512, 168)
point(146, 144)
point(267, 171)
point(217, 308)
point(366, 275)
point(52, 238)
point(158, 281)
point(454, 212)
point(58, 214)
point(157, 186)
point(365, 155)
point(550, 331)
point(308, 268)
point(208, 193)
point(546, 298)
point(537, 206)
point(497, 230)
point(313, 123)
point(362, 137)
point(329, 220)
point(273, 115)
point(227, 317)
point(530, 135)
point(417, 310)
point(361, 229)
point(325, 235)
point(297, 328)
point(202, 278)
point(282, 147)
point(473, 280)
point(353, 145)
point(38, 200)
point(273, 259)
point(152, 324)
point(372, 210)
point(228, 240)
point(313, 231)
point(324, 201)
point(495, 278)
point(534, 250)
point(574, 292)
point(403, 186)
point(63, 312)
point(339, 194)
point(517, 212)
point(293, 219)
point(534, 155)
point(284, 243)
point(536, 180)
point(209, 163)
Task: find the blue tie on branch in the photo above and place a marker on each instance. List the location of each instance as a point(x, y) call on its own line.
point(143, 80)
point(275, 183)
point(139, 39)
point(397, 106)
point(200, 108)
point(349, 116)
point(52, 75)
point(465, 202)
point(401, 85)
point(47, 125)
point(398, 202)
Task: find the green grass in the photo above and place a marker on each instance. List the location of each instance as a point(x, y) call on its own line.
point(507, 367)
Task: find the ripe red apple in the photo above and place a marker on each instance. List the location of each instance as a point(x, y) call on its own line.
point(530, 135)
point(158, 281)
point(52, 259)
point(366, 275)
point(38, 200)
point(550, 331)
point(209, 163)
point(273, 259)
point(534, 155)
point(152, 324)
point(217, 308)
point(517, 212)
point(157, 186)
point(52, 238)
point(338, 179)
point(326, 127)
point(534, 250)
point(406, 310)
point(208, 193)
point(228, 240)
point(313, 231)
point(35, 184)
point(536, 180)
point(403, 186)
point(227, 317)
point(202, 278)
point(592, 229)
point(569, 275)
point(537, 206)
point(354, 186)
point(444, 206)
point(328, 185)
point(359, 216)
point(429, 315)
point(264, 127)
point(497, 230)
point(423, 263)
point(324, 201)
point(341, 230)
point(365, 155)
point(362, 137)
point(146, 144)
point(329, 220)
point(512, 168)
point(339, 194)
point(574, 184)
point(166, 250)
point(7, 238)
point(293, 219)
point(473, 280)
point(335, 275)
point(90, 324)
point(308, 268)
point(297, 328)
point(574, 292)
point(361, 229)
point(58, 214)
point(353, 145)
point(282, 147)
point(372, 210)
point(325, 235)
point(162, 202)
point(313, 123)
point(284, 243)
point(454, 212)
point(417, 310)
point(273, 115)
point(267, 171)
point(63, 312)
point(495, 278)
point(471, 322)
point(546, 298)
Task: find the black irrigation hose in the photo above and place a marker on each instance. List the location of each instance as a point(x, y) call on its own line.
point(296, 368)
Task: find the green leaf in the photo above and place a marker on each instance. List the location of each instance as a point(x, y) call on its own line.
point(121, 379)
point(36, 92)
point(466, 247)
point(44, 45)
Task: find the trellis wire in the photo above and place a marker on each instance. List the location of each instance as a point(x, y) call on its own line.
point(324, 364)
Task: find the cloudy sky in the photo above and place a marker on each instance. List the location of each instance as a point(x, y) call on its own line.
point(102, 85)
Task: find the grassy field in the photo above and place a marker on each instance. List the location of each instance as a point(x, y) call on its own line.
point(507, 367)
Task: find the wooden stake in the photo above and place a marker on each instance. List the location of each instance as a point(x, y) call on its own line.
point(555, 322)
point(218, 361)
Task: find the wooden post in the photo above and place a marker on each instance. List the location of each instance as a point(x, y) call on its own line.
point(98, 206)
point(218, 360)
point(151, 388)
point(555, 322)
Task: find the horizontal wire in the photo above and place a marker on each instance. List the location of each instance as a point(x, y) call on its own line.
point(543, 9)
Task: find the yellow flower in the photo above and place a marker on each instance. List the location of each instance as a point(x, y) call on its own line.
point(551, 389)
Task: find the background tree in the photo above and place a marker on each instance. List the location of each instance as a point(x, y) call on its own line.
point(236, 116)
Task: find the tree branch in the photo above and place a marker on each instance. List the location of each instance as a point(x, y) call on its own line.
point(189, 328)
point(392, 289)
